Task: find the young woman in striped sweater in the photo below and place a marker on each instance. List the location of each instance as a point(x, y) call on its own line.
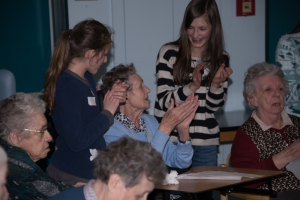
point(196, 63)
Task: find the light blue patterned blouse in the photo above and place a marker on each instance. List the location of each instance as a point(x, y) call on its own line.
point(288, 58)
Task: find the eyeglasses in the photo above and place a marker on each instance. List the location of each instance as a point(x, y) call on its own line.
point(37, 131)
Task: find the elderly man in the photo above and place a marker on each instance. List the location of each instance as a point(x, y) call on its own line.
point(126, 169)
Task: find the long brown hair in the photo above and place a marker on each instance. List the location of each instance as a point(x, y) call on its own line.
point(213, 56)
point(73, 43)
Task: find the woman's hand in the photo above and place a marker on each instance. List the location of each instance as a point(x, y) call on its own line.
point(183, 127)
point(289, 154)
point(195, 85)
point(222, 74)
point(79, 184)
point(117, 95)
point(174, 116)
point(120, 91)
point(110, 103)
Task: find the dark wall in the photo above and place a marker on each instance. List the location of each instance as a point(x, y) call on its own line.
point(282, 16)
point(25, 47)
point(25, 42)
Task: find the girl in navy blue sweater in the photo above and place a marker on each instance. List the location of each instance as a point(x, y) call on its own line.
point(70, 93)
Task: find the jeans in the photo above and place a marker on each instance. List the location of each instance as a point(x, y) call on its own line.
point(205, 156)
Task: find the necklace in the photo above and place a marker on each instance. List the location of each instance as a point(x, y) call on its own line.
point(146, 135)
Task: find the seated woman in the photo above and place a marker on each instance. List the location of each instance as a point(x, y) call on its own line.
point(132, 122)
point(24, 136)
point(269, 139)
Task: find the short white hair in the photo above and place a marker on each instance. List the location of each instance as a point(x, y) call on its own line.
point(259, 70)
point(16, 113)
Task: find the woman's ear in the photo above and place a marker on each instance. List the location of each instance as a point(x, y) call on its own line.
point(13, 138)
point(115, 183)
point(252, 100)
point(129, 96)
point(89, 54)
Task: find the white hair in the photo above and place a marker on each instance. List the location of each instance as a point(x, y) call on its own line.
point(16, 113)
point(258, 70)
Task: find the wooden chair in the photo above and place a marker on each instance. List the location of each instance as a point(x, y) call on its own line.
point(241, 195)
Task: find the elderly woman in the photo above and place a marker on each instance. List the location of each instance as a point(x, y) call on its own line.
point(132, 122)
point(126, 169)
point(269, 139)
point(24, 136)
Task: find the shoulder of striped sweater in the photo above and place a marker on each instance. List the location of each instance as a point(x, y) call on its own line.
point(167, 47)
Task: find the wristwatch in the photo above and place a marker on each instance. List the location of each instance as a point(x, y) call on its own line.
point(185, 142)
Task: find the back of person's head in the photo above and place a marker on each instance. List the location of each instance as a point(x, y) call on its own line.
point(130, 159)
point(120, 72)
point(16, 112)
point(214, 53)
point(74, 43)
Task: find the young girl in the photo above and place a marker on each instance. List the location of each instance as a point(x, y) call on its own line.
point(70, 93)
point(195, 64)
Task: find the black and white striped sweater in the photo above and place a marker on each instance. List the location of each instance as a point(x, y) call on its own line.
point(204, 129)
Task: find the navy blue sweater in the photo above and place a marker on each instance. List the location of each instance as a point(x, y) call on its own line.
point(79, 124)
point(70, 194)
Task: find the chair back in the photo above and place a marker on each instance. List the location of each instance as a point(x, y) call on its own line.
point(7, 84)
point(228, 161)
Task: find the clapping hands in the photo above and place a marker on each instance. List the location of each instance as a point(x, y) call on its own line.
point(183, 113)
point(183, 127)
point(222, 74)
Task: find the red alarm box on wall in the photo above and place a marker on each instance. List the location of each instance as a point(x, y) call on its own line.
point(245, 7)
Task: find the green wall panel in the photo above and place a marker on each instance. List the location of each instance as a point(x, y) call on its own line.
point(25, 41)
